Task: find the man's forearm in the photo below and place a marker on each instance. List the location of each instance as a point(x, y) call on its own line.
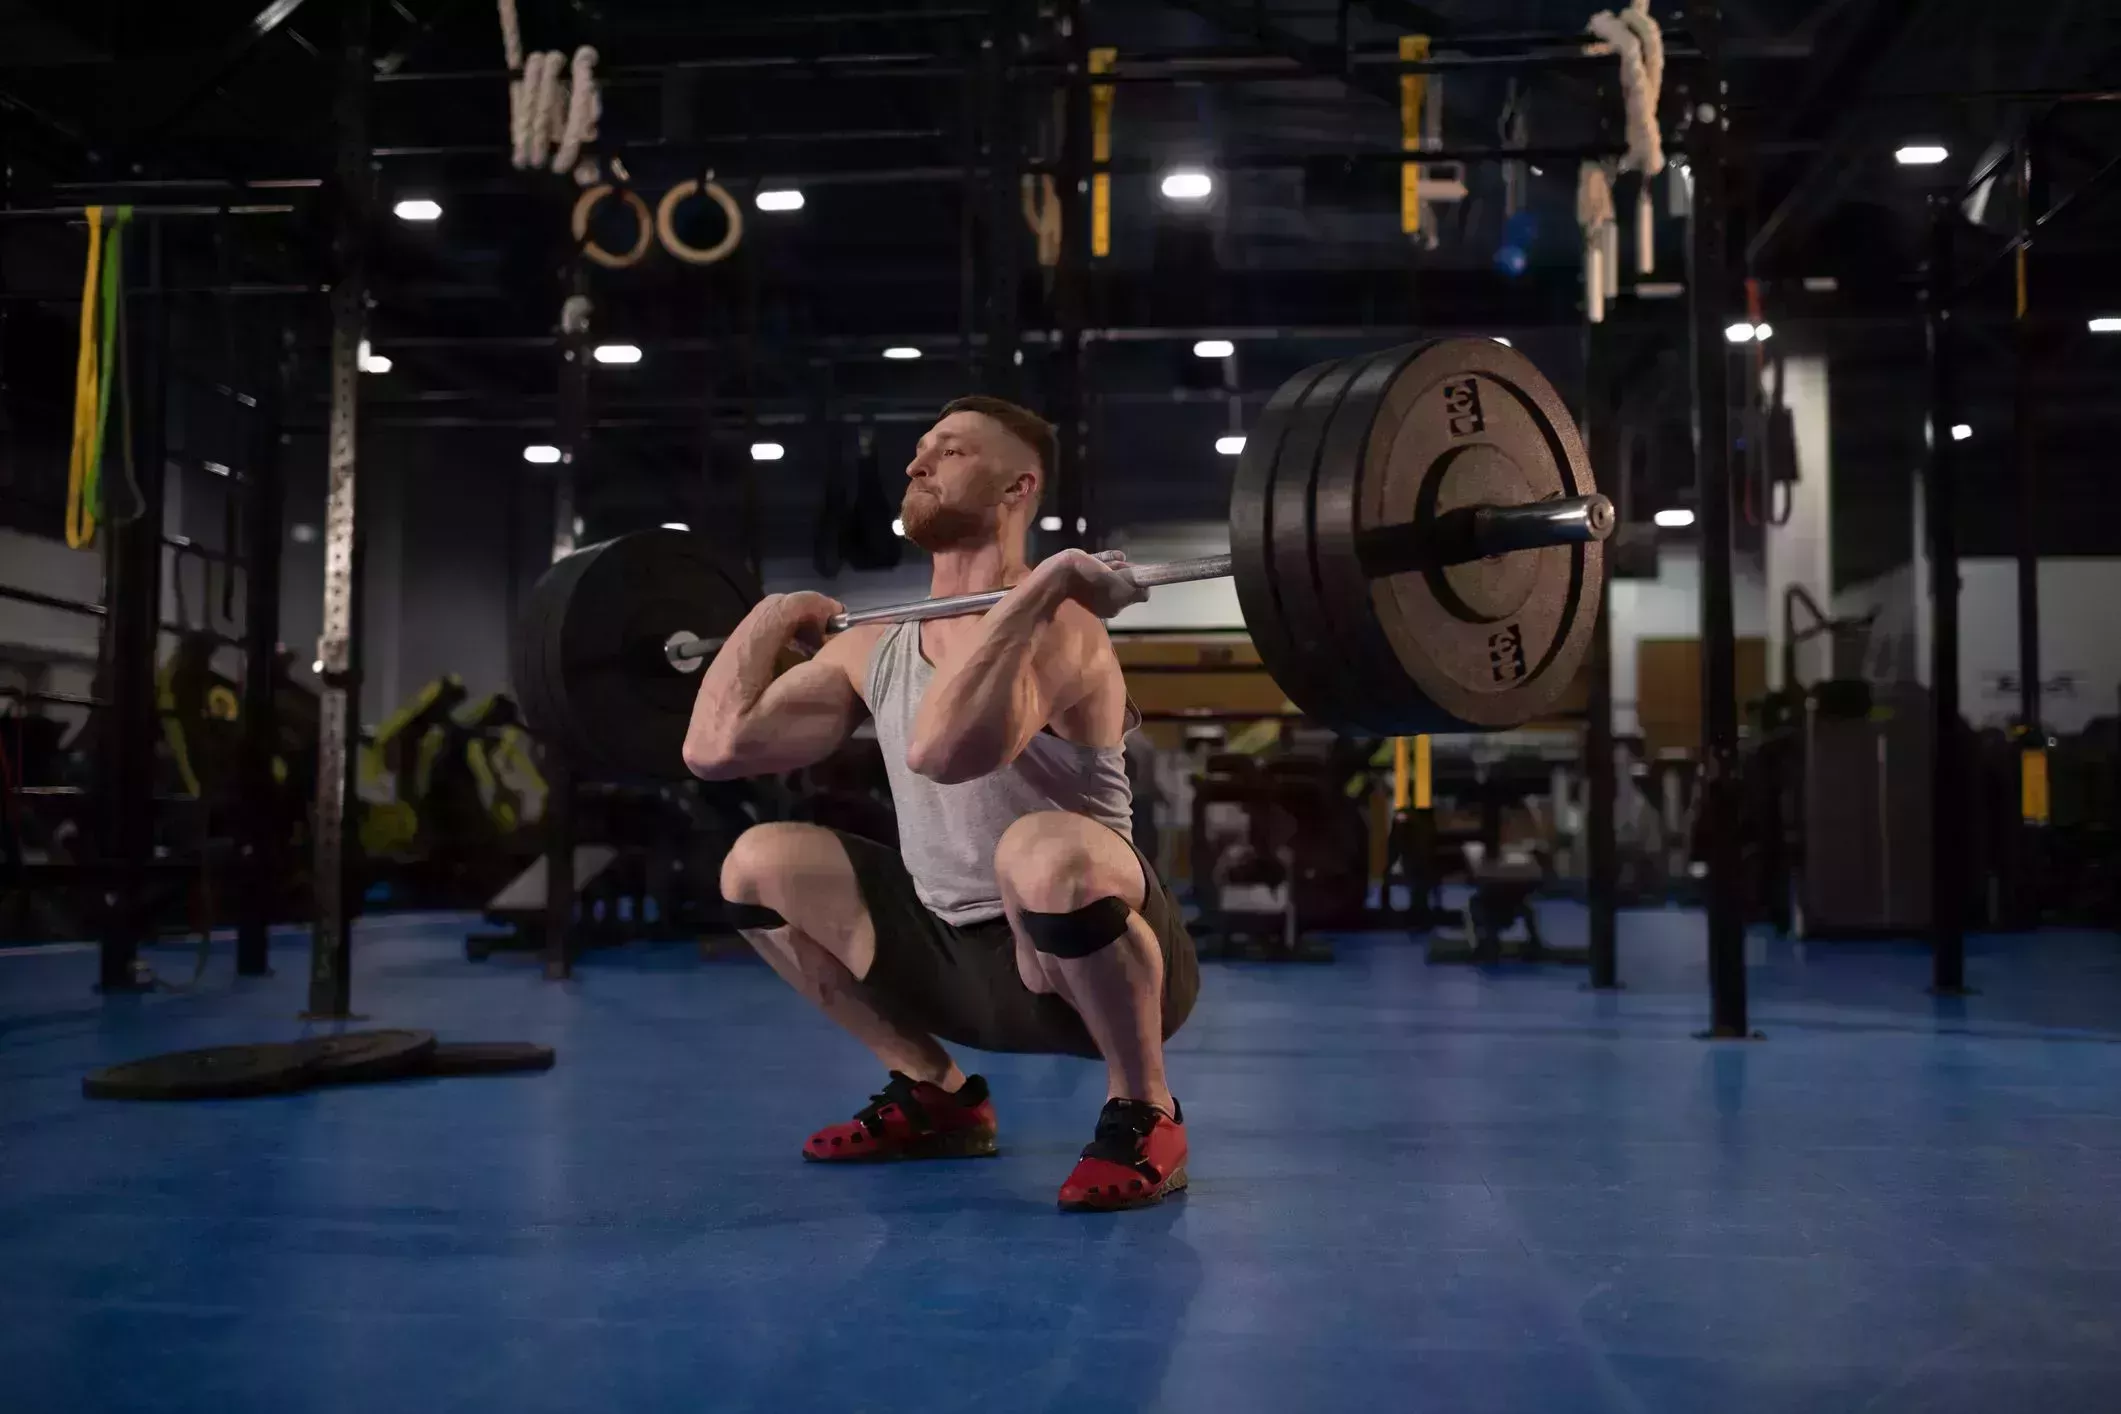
point(737, 677)
point(974, 716)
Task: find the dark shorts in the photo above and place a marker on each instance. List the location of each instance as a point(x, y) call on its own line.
point(961, 983)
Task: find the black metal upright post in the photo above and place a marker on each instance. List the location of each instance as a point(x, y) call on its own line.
point(1707, 286)
point(2025, 473)
point(1005, 236)
point(572, 429)
point(130, 725)
point(1071, 280)
point(1940, 505)
point(261, 830)
point(336, 873)
point(1601, 855)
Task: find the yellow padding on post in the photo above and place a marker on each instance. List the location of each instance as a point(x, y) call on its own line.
point(1410, 773)
point(2032, 785)
point(1413, 92)
point(1100, 153)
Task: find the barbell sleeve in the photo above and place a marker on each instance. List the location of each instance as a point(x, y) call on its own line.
point(1569, 520)
point(1468, 533)
point(1480, 531)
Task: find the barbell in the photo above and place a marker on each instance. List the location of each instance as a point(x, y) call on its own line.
point(1414, 535)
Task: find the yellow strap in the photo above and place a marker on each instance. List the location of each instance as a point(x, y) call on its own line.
point(80, 516)
point(110, 358)
point(1413, 92)
point(1399, 773)
point(2021, 282)
point(1101, 151)
point(1423, 778)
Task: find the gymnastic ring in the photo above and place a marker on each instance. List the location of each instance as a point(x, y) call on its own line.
point(666, 209)
point(645, 224)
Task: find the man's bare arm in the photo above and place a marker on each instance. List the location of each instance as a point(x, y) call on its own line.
point(1040, 651)
point(748, 722)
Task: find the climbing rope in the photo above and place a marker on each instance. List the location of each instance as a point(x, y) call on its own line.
point(1634, 37)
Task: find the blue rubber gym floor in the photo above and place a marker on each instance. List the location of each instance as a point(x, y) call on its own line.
point(1414, 1188)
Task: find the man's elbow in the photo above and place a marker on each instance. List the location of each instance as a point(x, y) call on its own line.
point(946, 763)
point(711, 760)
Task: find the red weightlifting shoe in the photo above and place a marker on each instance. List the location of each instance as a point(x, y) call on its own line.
point(1137, 1158)
point(912, 1119)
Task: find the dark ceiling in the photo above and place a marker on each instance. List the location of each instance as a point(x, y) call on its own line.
point(1298, 257)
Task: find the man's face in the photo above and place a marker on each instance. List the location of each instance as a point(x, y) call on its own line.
point(958, 481)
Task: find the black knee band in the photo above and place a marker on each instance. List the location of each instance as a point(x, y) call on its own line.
point(1091, 928)
point(749, 916)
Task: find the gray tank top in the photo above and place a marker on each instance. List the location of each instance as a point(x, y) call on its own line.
point(947, 833)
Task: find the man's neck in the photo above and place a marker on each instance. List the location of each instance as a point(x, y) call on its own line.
point(974, 571)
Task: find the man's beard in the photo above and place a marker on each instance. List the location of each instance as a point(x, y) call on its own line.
point(936, 527)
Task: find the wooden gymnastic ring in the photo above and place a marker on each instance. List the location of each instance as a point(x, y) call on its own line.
point(645, 224)
point(665, 230)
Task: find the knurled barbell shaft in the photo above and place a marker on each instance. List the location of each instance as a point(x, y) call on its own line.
point(1484, 531)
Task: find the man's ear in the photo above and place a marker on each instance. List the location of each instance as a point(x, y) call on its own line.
point(1023, 489)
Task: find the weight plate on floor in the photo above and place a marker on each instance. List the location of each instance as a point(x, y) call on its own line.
point(488, 1058)
point(358, 1057)
point(1252, 526)
point(1484, 645)
point(1318, 677)
point(212, 1073)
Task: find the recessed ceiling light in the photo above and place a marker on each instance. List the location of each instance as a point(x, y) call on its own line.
point(779, 199)
point(542, 455)
point(767, 451)
point(1187, 184)
point(1677, 518)
point(618, 353)
point(418, 208)
point(1214, 348)
point(1230, 446)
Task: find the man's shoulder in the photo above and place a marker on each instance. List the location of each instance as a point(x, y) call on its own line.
point(850, 651)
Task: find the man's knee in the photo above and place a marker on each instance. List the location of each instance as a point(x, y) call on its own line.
point(769, 862)
point(1050, 863)
point(1072, 899)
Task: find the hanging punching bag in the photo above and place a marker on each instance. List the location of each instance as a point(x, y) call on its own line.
point(869, 542)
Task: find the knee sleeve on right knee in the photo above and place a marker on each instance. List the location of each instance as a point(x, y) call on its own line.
point(1089, 929)
point(750, 917)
